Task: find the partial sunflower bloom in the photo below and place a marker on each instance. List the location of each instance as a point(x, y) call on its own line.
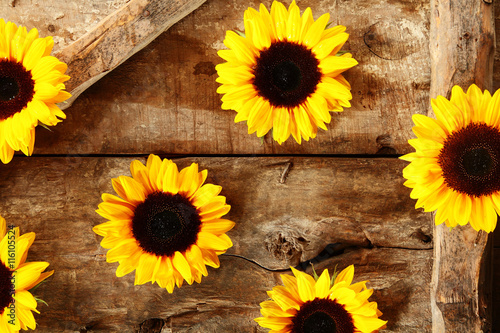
point(166, 225)
point(455, 168)
point(17, 277)
point(305, 304)
point(284, 73)
point(31, 83)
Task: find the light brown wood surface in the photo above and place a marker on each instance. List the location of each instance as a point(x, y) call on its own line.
point(56, 197)
point(116, 38)
point(164, 99)
point(462, 53)
point(65, 20)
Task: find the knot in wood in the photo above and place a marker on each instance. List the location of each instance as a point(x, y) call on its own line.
point(285, 245)
point(384, 145)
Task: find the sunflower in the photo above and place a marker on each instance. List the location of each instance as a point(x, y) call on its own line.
point(166, 226)
point(17, 277)
point(31, 83)
point(315, 305)
point(284, 73)
point(455, 168)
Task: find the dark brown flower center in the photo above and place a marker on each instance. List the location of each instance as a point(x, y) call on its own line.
point(286, 74)
point(322, 316)
point(16, 88)
point(470, 160)
point(6, 287)
point(165, 223)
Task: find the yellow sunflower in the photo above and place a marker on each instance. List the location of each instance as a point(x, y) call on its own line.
point(166, 226)
point(284, 73)
point(31, 83)
point(455, 168)
point(306, 304)
point(17, 277)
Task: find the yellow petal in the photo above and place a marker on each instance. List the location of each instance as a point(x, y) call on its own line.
point(144, 270)
point(210, 241)
point(217, 227)
point(182, 266)
point(305, 286)
point(322, 286)
point(313, 35)
point(346, 275)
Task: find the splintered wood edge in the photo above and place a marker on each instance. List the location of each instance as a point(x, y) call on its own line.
point(462, 53)
point(117, 38)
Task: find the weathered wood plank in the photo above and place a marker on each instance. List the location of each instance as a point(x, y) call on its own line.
point(65, 20)
point(462, 53)
point(496, 64)
point(164, 99)
point(323, 200)
point(496, 290)
point(117, 38)
point(226, 301)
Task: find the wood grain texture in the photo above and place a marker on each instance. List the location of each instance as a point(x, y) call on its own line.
point(496, 290)
point(328, 199)
point(164, 99)
point(496, 64)
point(65, 20)
point(117, 38)
point(462, 40)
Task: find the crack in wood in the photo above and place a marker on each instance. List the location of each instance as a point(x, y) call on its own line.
point(330, 251)
point(285, 172)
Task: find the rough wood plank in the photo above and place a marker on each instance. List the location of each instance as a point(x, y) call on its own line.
point(65, 20)
point(164, 99)
point(496, 291)
point(56, 198)
point(113, 40)
point(462, 52)
point(496, 64)
point(322, 201)
point(117, 38)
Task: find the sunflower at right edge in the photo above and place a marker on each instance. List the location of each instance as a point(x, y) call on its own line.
point(455, 168)
point(284, 72)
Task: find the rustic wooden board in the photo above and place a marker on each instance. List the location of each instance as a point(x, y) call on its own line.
point(115, 39)
point(496, 290)
point(149, 104)
point(462, 53)
point(56, 198)
point(65, 20)
point(164, 98)
point(496, 64)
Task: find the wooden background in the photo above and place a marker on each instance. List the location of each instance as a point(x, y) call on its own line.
point(344, 186)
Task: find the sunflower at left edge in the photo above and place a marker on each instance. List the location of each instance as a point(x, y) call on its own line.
point(18, 279)
point(455, 169)
point(31, 83)
point(307, 304)
point(284, 72)
point(166, 224)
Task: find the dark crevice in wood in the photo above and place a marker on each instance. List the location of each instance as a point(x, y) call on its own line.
point(152, 325)
point(330, 251)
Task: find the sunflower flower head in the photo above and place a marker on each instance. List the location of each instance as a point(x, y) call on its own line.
point(166, 225)
point(17, 277)
point(308, 305)
point(31, 83)
point(455, 168)
point(284, 72)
